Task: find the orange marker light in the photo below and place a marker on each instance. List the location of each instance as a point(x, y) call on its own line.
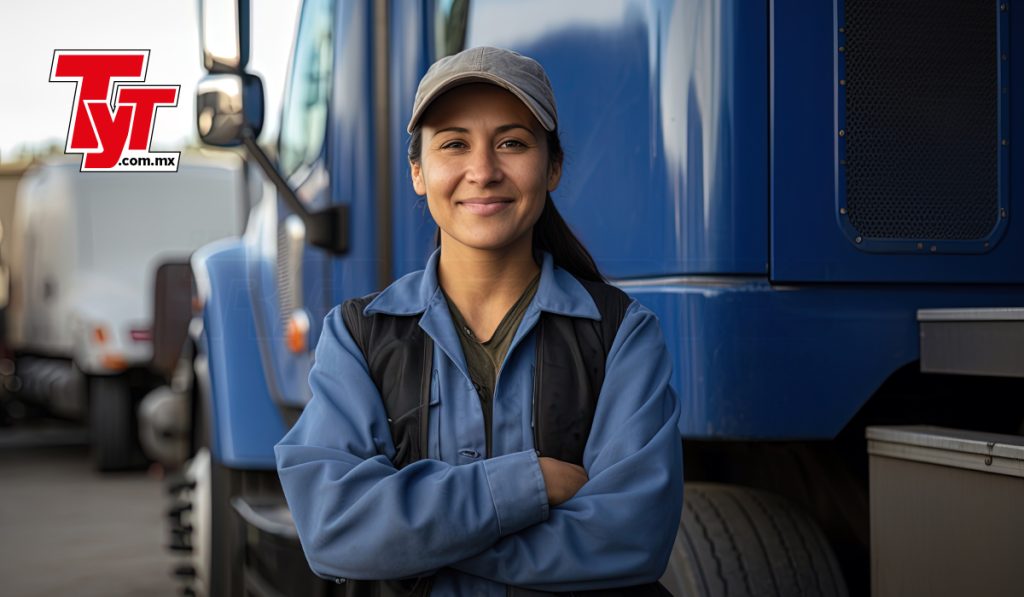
point(114, 362)
point(297, 332)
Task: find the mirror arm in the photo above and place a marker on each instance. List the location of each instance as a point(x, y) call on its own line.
point(328, 228)
point(249, 140)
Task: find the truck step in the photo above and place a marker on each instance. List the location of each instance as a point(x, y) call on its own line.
point(986, 342)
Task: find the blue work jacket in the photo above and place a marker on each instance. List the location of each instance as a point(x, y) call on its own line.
point(483, 523)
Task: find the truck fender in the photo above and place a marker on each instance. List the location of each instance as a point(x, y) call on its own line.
point(244, 421)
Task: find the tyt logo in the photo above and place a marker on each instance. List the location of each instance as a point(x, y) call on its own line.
point(111, 121)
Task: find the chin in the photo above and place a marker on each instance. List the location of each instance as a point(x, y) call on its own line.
point(489, 242)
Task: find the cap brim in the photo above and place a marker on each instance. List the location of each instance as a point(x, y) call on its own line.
point(457, 80)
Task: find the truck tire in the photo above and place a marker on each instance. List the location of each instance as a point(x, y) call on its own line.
point(735, 541)
point(112, 429)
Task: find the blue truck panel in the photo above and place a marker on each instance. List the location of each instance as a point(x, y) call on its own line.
point(664, 123)
point(769, 362)
point(351, 156)
point(808, 241)
point(246, 424)
point(409, 46)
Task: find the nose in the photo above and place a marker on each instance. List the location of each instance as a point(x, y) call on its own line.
point(484, 167)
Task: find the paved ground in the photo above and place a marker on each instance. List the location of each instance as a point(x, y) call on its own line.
point(67, 530)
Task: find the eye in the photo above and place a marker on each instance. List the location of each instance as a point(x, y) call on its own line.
point(512, 144)
point(453, 144)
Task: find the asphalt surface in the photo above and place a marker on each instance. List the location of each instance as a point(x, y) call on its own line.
point(68, 530)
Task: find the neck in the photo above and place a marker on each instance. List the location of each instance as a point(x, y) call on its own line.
point(484, 284)
point(480, 276)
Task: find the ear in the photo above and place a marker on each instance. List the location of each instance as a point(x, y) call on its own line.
point(554, 175)
point(417, 178)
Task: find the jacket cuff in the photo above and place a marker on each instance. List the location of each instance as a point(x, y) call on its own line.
point(517, 490)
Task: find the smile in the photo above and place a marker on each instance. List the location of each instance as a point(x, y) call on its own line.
point(485, 207)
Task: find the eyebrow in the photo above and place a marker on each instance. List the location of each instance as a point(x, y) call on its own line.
point(501, 129)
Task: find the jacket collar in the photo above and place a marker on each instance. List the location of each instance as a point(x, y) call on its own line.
point(558, 292)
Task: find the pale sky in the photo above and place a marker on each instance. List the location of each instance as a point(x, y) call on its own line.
point(35, 111)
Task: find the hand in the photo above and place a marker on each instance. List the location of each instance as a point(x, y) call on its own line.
point(561, 479)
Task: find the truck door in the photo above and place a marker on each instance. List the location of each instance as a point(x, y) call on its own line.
point(325, 151)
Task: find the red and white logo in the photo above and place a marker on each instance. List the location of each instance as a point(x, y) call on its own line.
point(112, 117)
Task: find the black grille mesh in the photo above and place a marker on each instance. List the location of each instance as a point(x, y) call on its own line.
point(921, 127)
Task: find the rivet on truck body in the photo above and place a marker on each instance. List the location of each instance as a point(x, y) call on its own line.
point(858, 240)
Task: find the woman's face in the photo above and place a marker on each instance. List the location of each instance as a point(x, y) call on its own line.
point(484, 168)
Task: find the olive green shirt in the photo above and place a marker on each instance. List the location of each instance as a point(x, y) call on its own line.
point(484, 358)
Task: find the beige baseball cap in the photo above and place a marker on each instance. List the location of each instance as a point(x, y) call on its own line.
point(520, 75)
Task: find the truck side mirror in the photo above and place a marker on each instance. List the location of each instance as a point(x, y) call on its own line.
point(226, 105)
point(229, 111)
point(224, 35)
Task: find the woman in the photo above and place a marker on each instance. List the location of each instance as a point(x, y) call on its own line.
point(544, 458)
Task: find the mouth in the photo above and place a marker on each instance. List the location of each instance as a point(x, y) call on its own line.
point(485, 206)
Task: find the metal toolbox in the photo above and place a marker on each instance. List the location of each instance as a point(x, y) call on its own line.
point(947, 512)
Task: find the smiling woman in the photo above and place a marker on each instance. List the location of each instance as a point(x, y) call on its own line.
point(500, 422)
point(485, 169)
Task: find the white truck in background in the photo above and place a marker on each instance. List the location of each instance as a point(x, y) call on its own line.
point(10, 176)
point(86, 250)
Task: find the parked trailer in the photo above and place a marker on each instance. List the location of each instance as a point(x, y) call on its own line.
point(10, 175)
point(786, 184)
point(85, 253)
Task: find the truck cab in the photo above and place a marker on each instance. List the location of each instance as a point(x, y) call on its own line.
point(780, 183)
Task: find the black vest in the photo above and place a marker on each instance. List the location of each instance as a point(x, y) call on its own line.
point(570, 359)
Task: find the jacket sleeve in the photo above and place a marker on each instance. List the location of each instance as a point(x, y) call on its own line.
point(618, 530)
point(356, 515)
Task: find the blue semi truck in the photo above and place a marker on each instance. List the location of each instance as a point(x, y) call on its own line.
point(792, 187)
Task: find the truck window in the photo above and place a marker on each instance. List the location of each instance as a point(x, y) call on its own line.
point(304, 119)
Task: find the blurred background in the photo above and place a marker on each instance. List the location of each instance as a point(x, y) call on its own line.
point(78, 518)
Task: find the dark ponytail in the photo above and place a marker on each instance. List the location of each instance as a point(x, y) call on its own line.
point(553, 235)
point(550, 233)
